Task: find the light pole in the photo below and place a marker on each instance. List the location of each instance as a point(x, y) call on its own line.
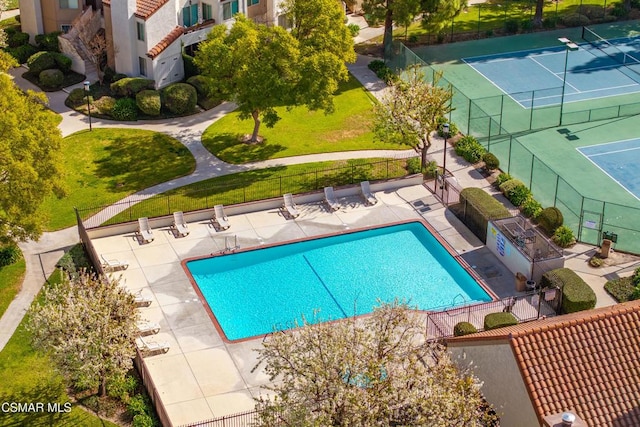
point(86, 92)
point(445, 131)
point(569, 46)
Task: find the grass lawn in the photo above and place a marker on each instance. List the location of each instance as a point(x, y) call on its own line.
point(10, 282)
point(105, 165)
point(301, 131)
point(28, 377)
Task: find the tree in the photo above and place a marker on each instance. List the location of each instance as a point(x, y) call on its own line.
point(438, 13)
point(537, 18)
point(29, 158)
point(96, 49)
point(254, 66)
point(402, 12)
point(88, 325)
point(410, 110)
point(372, 371)
point(325, 46)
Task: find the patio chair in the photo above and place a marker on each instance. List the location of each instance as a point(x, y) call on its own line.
point(152, 347)
point(144, 230)
point(179, 224)
point(369, 197)
point(330, 199)
point(113, 264)
point(146, 327)
point(142, 300)
point(289, 206)
point(220, 218)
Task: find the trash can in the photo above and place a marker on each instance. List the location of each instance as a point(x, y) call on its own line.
point(605, 248)
point(521, 281)
point(531, 285)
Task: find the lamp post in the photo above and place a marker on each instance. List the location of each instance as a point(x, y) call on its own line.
point(569, 46)
point(86, 92)
point(445, 131)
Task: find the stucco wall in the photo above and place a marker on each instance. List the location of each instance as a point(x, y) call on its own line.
point(31, 18)
point(505, 251)
point(124, 36)
point(494, 364)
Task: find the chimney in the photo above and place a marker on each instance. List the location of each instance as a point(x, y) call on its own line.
point(564, 419)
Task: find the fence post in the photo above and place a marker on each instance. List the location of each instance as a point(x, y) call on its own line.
point(316, 179)
point(280, 185)
point(387, 168)
point(168, 205)
point(469, 119)
point(555, 196)
point(533, 97)
point(533, 160)
point(509, 156)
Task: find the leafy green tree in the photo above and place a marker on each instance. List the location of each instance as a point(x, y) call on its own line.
point(373, 371)
point(252, 65)
point(88, 326)
point(439, 13)
point(410, 110)
point(401, 12)
point(29, 158)
point(326, 46)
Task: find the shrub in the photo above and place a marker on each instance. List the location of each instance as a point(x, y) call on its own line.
point(108, 75)
point(502, 178)
point(17, 39)
point(413, 38)
point(148, 101)
point(130, 86)
point(636, 277)
point(41, 61)
point(431, 169)
point(414, 165)
point(49, 41)
point(596, 262)
point(592, 11)
point(125, 109)
point(118, 76)
point(190, 67)
point(576, 294)
point(499, 320)
point(143, 420)
point(575, 20)
point(22, 53)
point(526, 25)
point(531, 207)
point(76, 97)
point(549, 219)
point(354, 29)
point(387, 75)
point(563, 236)
point(622, 289)
point(511, 26)
point(200, 83)
point(515, 191)
point(453, 128)
point(136, 405)
point(470, 149)
point(180, 98)
point(619, 10)
point(205, 99)
point(51, 78)
point(9, 254)
point(464, 328)
point(105, 105)
point(490, 160)
point(550, 23)
point(376, 65)
point(63, 63)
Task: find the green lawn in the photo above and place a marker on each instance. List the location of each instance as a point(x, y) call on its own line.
point(28, 377)
point(301, 131)
point(105, 165)
point(10, 282)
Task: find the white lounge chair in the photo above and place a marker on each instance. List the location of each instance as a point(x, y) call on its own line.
point(330, 199)
point(113, 264)
point(142, 300)
point(144, 230)
point(290, 207)
point(148, 328)
point(369, 197)
point(220, 218)
point(152, 347)
point(179, 224)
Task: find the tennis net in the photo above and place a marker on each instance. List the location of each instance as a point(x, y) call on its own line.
point(621, 57)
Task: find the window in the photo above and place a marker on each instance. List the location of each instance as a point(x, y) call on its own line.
point(207, 13)
point(140, 29)
point(252, 2)
point(68, 4)
point(142, 64)
point(65, 28)
point(190, 15)
point(229, 9)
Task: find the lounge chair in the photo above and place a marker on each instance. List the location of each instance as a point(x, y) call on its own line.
point(113, 264)
point(290, 207)
point(220, 218)
point(144, 230)
point(369, 197)
point(142, 300)
point(179, 224)
point(330, 199)
point(152, 347)
point(147, 328)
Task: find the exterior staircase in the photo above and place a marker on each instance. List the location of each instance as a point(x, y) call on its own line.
point(84, 27)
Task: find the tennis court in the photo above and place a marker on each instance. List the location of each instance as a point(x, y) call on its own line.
point(535, 78)
point(619, 160)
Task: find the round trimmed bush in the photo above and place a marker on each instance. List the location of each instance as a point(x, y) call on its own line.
point(125, 109)
point(200, 83)
point(63, 63)
point(491, 162)
point(9, 254)
point(22, 53)
point(499, 320)
point(502, 178)
point(148, 101)
point(575, 20)
point(51, 78)
point(105, 105)
point(76, 97)
point(17, 39)
point(41, 61)
point(550, 219)
point(48, 41)
point(577, 295)
point(118, 76)
point(464, 328)
point(180, 98)
point(130, 86)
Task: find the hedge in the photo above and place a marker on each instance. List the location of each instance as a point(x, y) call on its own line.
point(499, 320)
point(180, 98)
point(130, 86)
point(470, 149)
point(576, 294)
point(477, 208)
point(41, 61)
point(148, 101)
point(464, 328)
point(62, 62)
point(550, 219)
point(51, 78)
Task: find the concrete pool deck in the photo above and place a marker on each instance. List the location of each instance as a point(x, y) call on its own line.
point(201, 376)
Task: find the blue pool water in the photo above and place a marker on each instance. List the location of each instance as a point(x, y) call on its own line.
point(254, 292)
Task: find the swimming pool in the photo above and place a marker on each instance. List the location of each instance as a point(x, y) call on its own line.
point(252, 292)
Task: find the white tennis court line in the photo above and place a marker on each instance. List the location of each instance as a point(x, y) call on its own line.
point(493, 83)
point(613, 152)
point(556, 75)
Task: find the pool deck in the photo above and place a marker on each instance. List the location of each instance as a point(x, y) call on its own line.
point(201, 376)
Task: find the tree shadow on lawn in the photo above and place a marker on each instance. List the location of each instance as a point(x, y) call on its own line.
point(45, 393)
point(132, 164)
point(230, 148)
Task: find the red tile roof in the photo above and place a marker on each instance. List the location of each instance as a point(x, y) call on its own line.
point(146, 8)
point(588, 362)
point(165, 42)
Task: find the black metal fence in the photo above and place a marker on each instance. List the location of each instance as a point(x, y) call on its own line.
point(242, 419)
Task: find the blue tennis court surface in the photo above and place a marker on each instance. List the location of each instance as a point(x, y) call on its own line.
point(534, 78)
point(619, 160)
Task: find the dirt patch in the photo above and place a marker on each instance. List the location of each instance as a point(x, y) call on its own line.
point(618, 258)
point(246, 139)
